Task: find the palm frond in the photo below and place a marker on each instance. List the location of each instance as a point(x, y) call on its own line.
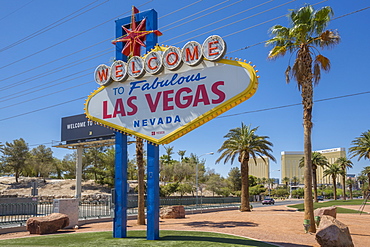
point(329, 38)
point(302, 15)
point(287, 74)
point(324, 62)
point(276, 52)
point(316, 73)
point(321, 19)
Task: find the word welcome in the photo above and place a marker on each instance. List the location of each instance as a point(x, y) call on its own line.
point(213, 49)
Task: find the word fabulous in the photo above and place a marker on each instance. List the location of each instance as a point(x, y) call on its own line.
point(213, 49)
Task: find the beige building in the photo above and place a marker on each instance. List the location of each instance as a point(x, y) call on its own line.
point(290, 161)
point(260, 168)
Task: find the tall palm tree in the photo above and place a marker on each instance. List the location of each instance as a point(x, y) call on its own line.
point(317, 160)
point(181, 153)
point(306, 33)
point(333, 171)
point(295, 180)
point(243, 143)
point(361, 146)
point(366, 172)
point(362, 180)
point(140, 180)
point(344, 164)
point(350, 183)
point(286, 181)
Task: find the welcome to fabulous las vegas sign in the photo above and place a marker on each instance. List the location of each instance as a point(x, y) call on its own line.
point(168, 92)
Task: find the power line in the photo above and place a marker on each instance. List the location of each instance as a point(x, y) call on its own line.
point(183, 23)
point(231, 115)
point(45, 95)
point(58, 59)
point(296, 104)
point(16, 10)
point(263, 42)
point(180, 9)
point(74, 36)
point(61, 68)
point(256, 6)
point(52, 25)
point(254, 111)
point(41, 109)
point(28, 92)
point(55, 60)
point(333, 19)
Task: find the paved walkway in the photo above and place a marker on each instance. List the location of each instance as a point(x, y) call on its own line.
point(275, 224)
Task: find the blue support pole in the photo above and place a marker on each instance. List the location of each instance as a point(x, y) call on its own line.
point(152, 232)
point(120, 184)
point(120, 217)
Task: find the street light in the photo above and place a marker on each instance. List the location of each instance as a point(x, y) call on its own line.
point(196, 176)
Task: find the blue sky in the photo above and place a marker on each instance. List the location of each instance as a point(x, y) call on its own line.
point(49, 51)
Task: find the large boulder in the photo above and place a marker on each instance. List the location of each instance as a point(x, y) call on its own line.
point(333, 233)
point(331, 211)
point(172, 212)
point(47, 224)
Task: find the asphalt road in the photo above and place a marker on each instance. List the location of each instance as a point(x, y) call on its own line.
point(278, 203)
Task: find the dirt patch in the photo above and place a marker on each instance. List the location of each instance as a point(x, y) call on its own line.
point(49, 187)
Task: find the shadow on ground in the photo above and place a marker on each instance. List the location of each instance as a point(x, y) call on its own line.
point(290, 245)
point(247, 242)
point(224, 224)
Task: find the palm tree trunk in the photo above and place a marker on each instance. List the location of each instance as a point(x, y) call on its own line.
point(314, 180)
point(244, 205)
point(344, 185)
point(350, 191)
point(305, 61)
point(335, 188)
point(140, 177)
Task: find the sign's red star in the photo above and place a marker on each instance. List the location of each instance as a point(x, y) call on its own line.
point(135, 37)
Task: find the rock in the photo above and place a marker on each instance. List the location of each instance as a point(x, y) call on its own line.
point(333, 233)
point(172, 212)
point(47, 224)
point(331, 211)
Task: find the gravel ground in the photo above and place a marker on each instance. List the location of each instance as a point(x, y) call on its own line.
point(274, 224)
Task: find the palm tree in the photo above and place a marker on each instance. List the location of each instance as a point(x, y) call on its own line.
point(366, 172)
point(362, 180)
point(350, 183)
point(181, 153)
point(361, 146)
point(295, 180)
point(140, 180)
point(270, 184)
point(286, 180)
point(307, 33)
point(333, 171)
point(243, 143)
point(317, 160)
point(344, 164)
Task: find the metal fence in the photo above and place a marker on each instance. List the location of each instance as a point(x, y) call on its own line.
point(18, 213)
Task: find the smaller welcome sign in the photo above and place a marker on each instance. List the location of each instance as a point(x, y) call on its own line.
point(170, 91)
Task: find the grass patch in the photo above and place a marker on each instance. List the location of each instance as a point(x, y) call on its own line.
point(338, 203)
point(136, 238)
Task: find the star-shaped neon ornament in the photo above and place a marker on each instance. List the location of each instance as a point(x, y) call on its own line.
point(135, 37)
